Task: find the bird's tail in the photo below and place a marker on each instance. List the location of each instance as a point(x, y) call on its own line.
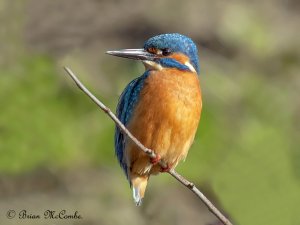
point(139, 184)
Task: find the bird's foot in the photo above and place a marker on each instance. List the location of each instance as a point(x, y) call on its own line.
point(165, 169)
point(155, 160)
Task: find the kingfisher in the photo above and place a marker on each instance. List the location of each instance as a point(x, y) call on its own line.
point(161, 108)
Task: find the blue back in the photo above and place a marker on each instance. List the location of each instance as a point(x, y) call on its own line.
point(127, 101)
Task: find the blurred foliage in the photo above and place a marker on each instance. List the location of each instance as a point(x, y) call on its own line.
point(247, 145)
point(41, 120)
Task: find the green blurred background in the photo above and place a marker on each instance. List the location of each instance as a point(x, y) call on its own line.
point(56, 146)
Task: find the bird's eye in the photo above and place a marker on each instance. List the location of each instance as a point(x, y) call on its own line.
point(166, 51)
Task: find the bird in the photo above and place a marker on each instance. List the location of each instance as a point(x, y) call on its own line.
point(161, 108)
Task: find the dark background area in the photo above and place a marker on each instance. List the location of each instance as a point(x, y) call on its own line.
point(56, 146)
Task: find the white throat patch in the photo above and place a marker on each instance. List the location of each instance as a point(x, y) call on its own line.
point(152, 65)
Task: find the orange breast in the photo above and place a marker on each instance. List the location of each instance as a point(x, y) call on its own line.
point(165, 119)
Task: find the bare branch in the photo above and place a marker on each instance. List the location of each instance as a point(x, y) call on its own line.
point(148, 151)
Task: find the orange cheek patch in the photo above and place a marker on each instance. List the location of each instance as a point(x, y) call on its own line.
point(180, 57)
point(152, 50)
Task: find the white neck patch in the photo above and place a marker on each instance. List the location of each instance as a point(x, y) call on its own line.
point(190, 66)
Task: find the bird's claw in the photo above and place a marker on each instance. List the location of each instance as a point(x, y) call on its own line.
point(165, 169)
point(155, 160)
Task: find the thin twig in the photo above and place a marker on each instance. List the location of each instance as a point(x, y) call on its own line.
point(148, 151)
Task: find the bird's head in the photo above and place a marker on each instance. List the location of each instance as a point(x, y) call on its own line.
point(165, 51)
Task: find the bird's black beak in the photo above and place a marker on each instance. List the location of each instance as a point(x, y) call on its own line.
point(137, 54)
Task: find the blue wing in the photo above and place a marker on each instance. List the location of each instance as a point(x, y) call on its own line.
point(125, 108)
